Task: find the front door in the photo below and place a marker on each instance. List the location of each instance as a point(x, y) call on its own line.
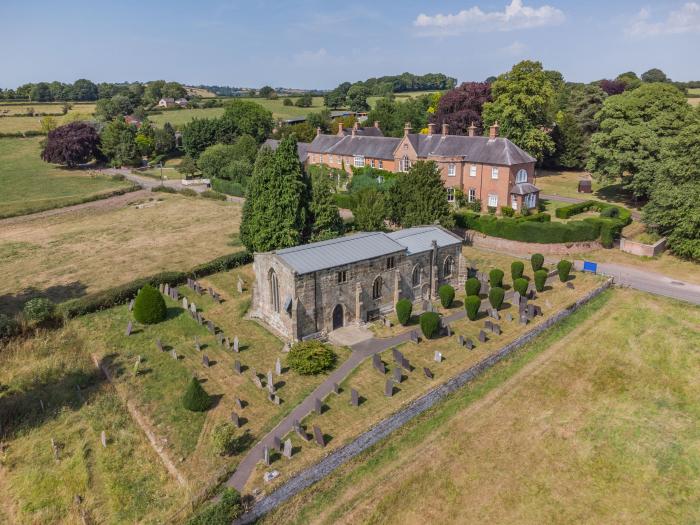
point(337, 317)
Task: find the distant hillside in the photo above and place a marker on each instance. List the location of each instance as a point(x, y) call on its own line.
point(199, 92)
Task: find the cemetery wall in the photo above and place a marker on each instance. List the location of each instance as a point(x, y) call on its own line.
point(480, 240)
point(384, 428)
point(641, 249)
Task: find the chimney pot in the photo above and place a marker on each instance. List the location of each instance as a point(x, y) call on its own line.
point(445, 129)
point(318, 131)
point(431, 128)
point(472, 130)
point(493, 130)
point(340, 128)
point(407, 128)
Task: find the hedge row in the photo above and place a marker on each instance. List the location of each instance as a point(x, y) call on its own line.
point(123, 293)
point(23, 134)
point(228, 187)
point(606, 210)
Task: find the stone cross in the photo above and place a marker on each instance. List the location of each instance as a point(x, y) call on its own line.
point(318, 406)
point(389, 388)
point(318, 436)
point(438, 357)
point(354, 397)
point(278, 367)
point(129, 328)
point(427, 373)
point(287, 451)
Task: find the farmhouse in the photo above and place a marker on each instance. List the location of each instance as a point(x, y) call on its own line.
point(166, 103)
point(320, 287)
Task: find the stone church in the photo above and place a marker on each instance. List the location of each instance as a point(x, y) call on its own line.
point(312, 289)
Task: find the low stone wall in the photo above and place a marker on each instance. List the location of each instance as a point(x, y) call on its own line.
point(643, 250)
point(479, 240)
point(385, 427)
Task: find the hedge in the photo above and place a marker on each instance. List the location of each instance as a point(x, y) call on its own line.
point(404, 307)
point(447, 295)
point(536, 260)
point(344, 200)
point(472, 286)
point(163, 189)
point(563, 269)
point(228, 187)
point(520, 286)
point(516, 269)
point(540, 280)
point(496, 296)
point(214, 195)
point(429, 324)
point(496, 278)
point(472, 304)
point(123, 293)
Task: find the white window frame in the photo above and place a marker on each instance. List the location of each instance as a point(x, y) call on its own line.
point(493, 200)
point(519, 176)
point(472, 170)
point(451, 170)
point(405, 164)
point(381, 164)
point(359, 160)
point(450, 194)
point(371, 162)
point(494, 173)
point(514, 202)
point(471, 196)
point(530, 200)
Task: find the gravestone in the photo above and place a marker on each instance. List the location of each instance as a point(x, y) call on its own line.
point(166, 289)
point(488, 325)
point(235, 344)
point(318, 406)
point(129, 328)
point(286, 348)
point(185, 303)
point(176, 295)
point(239, 285)
point(266, 456)
point(533, 295)
point(523, 319)
point(220, 338)
point(516, 298)
point(287, 450)
point(438, 357)
point(405, 364)
point(200, 319)
point(211, 291)
point(531, 310)
point(205, 360)
point(161, 288)
point(389, 388)
point(354, 397)
point(482, 336)
point(131, 305)
point(570, 285)
point(509, 317)
point(387, 322)
point(193, 308)
point(414, 337)
point(538, 310)
point(270, 382)
point(396, 355)
point(397, 374)
point(196, 344)
point(237, 366)
point(276, 399)
point(235, 420)
point(159, 345)
point(448, 330)
point(460, 340)
point(484, 290)
point(496, 329)
point(103, 439)
point(318, 436)
point(494, 314)
point(336, 388)
point(211, 327)
point(173, 353)
point(469, 344)
point(427, 372)
point(238, 403)
point(277, 443)
point(378, 364)
point(278, 367)
point(300, 431)
point(227, 344)
point(257, 382)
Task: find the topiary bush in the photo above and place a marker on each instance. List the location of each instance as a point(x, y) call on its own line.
point(429, 324)
point(311, 357)
point(540, 280)
point(223, 438)
point(447, 295)
point(472, 304)
point(196, 398)
point(496, 278)
point(472, 286)
point(496, 296)
point(39, 310)
point(520, 286)
point(149, 306)
point(564, 269)
point(516, 269)
point(404, 307)
point(223, 512)
point(537, 260)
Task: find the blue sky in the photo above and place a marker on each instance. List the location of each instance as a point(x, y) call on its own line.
point(317, 43)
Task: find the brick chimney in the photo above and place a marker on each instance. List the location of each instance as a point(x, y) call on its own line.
point(406, 129)
point(472, 130)
point(493, 131)
point(445, 129)
point(376, 124)
point(340, 128)
point(431, 129)
point(318, 131)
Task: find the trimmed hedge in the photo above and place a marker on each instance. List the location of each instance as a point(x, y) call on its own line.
point(536, 261)
point(472, 286)
point(563, 269)
point(196, 398)
point(447, 295)
point(516, 269)
point(311, 357)
point(496, 278)
point(496, 296)
point(472, 304)
point(429, 324)
point(404, 307)
point(149, 306)
point(228, 187)
point(222, 512)
point(540, 280)
point(520, 286)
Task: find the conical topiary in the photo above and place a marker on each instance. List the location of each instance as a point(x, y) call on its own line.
point(149, 306)
point(196, 398)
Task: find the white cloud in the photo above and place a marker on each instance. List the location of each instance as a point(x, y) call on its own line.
point(515, 49)
point(514, 16)
point(684, 20)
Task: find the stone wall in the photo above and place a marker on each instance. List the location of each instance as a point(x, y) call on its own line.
point(384, 428)
point(480, 240)
point(643, 250)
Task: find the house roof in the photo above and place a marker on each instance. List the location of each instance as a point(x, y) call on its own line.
point(368, 131)
point(372, 147)
point(322, 255)
point(524, 188)
point(420, 239)
point(302, 148)
point(479, 149)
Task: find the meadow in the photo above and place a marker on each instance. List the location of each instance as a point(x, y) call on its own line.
point(29, 184)
point(593, 422)
point(33, 123)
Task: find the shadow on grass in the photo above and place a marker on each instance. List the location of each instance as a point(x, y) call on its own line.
point(12, 303)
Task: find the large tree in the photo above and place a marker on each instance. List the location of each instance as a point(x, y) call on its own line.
point(369, 209)
point(419, 197)
point(324, 218)
point(72, 144)
point(462, 106)
point(249, 118)
point(118, 144)
point(357, 98)
point(198, 135)
point(654, 75)
point(392, 115)
point(523, 104)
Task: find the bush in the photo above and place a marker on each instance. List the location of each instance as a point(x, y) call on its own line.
point(228, 187)
point(404, 307)
point(507, 211)
point(344, 200)
point(223, 512)
point(311, 357)
point(516, 269)
point(188, 192)
point(537, 260)
point(472, 304)
point(563, 269)
point(447, 295)
point(196, 398)
point(472, 286)
point(496, 296)
point(163, 189)
point(474, 206)
point(9, 327)
point(215, 195)
point(540, 280)
point(496, 278)
point(520, 286)
point(149, 306)
point(223, 438)
point(39, 310)
point(429, 324)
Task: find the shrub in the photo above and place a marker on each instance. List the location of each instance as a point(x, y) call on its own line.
point(163, 189)
point(447, 295)
point(39, 310)
point(472, 286)
point(404, 307)
point(537, 260)
point(610, 212)
point(149, 306)
point(9, 326)
point(228, 187)
point(474, 206)
point(472, 304)
point(223, 512)
point(516, 269)
point(196, 398)
point(344, 200)
point(540, 280)
point(215, 195)
point(507, 211)
point(223, 438)
point(496, 278)
point(496, 296)
point(311, 357)
point(563, 269)
point(520, 286)
point(188, 192)
point(429, 324)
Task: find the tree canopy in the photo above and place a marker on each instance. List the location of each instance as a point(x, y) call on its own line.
point(419, 197)
point(72, 144)
point(462, 106)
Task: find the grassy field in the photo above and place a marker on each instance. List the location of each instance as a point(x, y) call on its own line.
point(694, 101)
point(565, 184)
point(593, 423)
point(29, 184)
point(341, 422)
point(48, 256)
point(23, 124)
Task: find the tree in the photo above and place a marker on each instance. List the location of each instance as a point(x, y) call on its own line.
point(472, 303)
point(287, 102)
point(404, 307)
point(249, 118)
point(447, 295)
point(369, 210)
point(429, 324)
point(39, 310)
point(536, 261)
point(462, 106)
point(629, 79)
point(84, 89)
point(304, 101)
point(149, 306)
point(523, 105)
point(198, 135)
point(337, 98)
point(164, 139)
point(173, 90)
point(612, 87)
point(118, 144)
point(311, 357)
point(196, 398)
point(117, 106)
point(145, 139)
point(223, 438)
point(325, 221)
point(563, 270)
point(72, 144)
point(41, 92)
point(570, 142)
point(654, 75)
point(266, 92)
point(187, 166)
point(419, 197)
point(320, 119)
point(357, 98)
point(215, 159)
point(584, 101)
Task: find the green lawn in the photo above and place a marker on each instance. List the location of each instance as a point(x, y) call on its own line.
point(30, 184)
point(565, 184)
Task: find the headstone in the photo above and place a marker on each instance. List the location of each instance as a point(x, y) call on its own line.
point(570, 285)
point(277, 443)
point(469, 344)
point(301, 433)
point(414, 336)
point(448, 330)
point(185, 303)
point(205, 360)
point(235, 420)
point(494, 314)
point(405, 364)
point(460, 340)
point(336, 388)
point(387, 322)
point(318, 436)
point(159, 345)
point(484, 290)
point(196, 344)
point(131, 305)
point(396, 355)
point(488, 325)
point(257, 382)
point(438, 357)
point(389, 388)
point(220, 338)
point(227, 344)
point(237, 366)
point(397, 374)
point(496, 329)
point(103, 439)
point(173, 353)
point(161, 288)
point(427, 372)
point(482, 336)
point(523, 319)
point(509, 317)
point(278, 367)
point(354, 397)
point(269, 476)
point(538, 310)
point(176, 295)
point(193, 308)
point(276, 400)
point(200, 319)
point(211, 291)
point(238, 403)
point(239, 285)
point(266, 456)
point(166, 289)
point(211, 327)
point(270, 382)
point(516, 298)
point(129, 328)
point(531, 311)
point(318, 406)
point(235, 344)
point(378, 364)
point(287, 450)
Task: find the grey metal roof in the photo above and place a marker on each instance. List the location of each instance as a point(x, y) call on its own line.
point(524, 188)
point(420, 239)
point(338, 252)
point(302, 148)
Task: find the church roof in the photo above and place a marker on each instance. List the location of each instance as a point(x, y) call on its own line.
point(420, 239)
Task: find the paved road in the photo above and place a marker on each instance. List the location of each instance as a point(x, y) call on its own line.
point(574, 200)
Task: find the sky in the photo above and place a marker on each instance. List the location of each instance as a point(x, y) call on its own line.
point(320, 43)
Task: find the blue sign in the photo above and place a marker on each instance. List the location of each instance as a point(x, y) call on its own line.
point(589, 266)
